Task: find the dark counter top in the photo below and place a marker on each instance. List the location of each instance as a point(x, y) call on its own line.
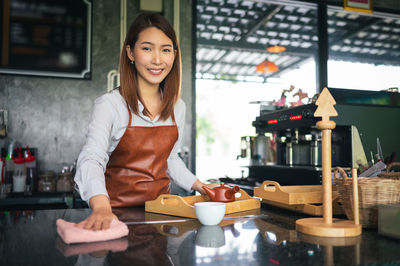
point(30, 238)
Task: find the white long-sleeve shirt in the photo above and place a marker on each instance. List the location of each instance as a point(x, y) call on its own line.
point(107, 125)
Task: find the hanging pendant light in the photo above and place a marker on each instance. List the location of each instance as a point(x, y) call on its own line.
point(266, 67)
point(276, 49)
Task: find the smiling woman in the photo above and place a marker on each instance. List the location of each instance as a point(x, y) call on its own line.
point(135, 131)
point(150, 41)
point(153, 56)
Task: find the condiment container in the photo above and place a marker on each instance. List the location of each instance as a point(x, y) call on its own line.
point(46, 182)
point(19, 165)
point(64, 182)
point(19, 180)
point(19, 177)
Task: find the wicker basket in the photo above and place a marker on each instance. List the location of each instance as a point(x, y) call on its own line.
point(392, 175)
point(371, 193)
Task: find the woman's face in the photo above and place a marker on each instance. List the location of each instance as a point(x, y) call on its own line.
point(153, 55)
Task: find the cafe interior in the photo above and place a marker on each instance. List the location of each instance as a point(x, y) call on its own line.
point(278, 161)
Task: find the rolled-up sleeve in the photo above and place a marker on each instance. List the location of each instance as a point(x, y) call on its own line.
point(177, 169)
point(93, 159)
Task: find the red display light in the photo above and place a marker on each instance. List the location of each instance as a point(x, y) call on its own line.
point(273, 121)
point(295, 117)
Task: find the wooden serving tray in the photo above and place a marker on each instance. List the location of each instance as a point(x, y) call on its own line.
point(304, 199)
point(184, 206)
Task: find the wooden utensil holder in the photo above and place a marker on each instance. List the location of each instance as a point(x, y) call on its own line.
point(327, 226)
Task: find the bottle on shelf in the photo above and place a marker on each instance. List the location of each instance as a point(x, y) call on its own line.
point(64, 182)
point(19, 175)
point(31, 172)
point(9, 163)
point(47, 182)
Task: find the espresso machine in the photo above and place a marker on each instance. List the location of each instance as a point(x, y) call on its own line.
point(296, 141)
point(297, 145)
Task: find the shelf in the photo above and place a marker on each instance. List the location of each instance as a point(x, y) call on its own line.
point(41, 201)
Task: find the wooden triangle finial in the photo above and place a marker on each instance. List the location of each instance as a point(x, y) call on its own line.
point(325, 103)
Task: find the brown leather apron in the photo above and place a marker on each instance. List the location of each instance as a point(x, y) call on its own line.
point(137, 168)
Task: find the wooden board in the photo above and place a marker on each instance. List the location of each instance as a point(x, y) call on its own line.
point(184, 206)
point(338, 228)
point(304, 199)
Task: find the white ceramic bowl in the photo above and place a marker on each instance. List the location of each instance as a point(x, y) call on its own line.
point(209, 213)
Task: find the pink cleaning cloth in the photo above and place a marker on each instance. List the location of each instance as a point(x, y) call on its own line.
point(73, 234)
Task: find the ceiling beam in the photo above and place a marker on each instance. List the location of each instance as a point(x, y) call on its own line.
point(242, 40)
point(262, 21)
point(354, 32)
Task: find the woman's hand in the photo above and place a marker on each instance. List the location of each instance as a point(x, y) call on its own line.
point(198, 186)
point(101, 216)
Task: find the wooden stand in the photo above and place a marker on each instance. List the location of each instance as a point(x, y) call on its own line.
point(327, 226)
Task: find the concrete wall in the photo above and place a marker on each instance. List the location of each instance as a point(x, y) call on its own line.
point(52, 114)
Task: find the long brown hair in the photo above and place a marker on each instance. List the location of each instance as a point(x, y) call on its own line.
point(170, 87)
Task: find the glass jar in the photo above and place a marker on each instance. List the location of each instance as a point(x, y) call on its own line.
point(46, 182)
point(64, 182)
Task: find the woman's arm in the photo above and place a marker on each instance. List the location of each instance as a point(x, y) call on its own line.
point(177, 169)
point(92, 163)
point(93, 158)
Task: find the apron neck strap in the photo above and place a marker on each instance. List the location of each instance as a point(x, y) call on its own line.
point(130, 114)
point(173, 117)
